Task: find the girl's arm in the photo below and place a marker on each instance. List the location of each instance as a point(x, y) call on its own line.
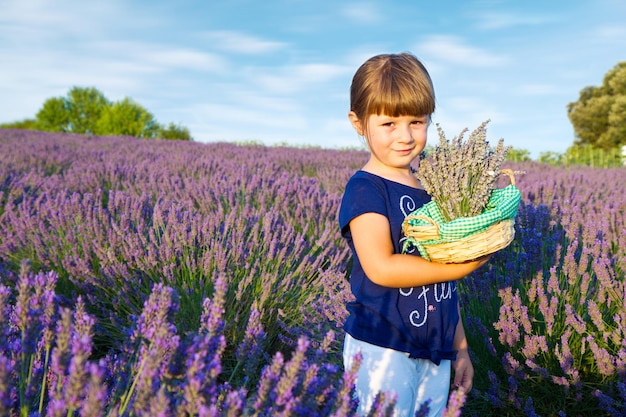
point(463, 368)
point(372, 242)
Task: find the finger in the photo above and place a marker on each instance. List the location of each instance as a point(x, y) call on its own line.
point(461, 381)
point(466, 385)
point(458, 381)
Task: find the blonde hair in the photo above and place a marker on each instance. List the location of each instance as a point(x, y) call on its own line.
point(394, 85)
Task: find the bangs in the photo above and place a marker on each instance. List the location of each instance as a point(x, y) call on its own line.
point(401, 96)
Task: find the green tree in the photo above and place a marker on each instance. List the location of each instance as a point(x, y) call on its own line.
point(174, 131)
point(599, 115)
point(518, 155)
point(53, 116)
point(79, 112)
point(85, 106)
point(551, 157)
point(127, 118)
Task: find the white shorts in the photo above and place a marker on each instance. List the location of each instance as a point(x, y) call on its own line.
point(412, 381)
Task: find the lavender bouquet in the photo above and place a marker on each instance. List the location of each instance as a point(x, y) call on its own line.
point(466, 208)
point(460, 175)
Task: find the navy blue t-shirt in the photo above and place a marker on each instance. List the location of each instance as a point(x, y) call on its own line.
point(419, 320)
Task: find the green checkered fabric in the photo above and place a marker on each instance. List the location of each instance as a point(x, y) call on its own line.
point(502, 205)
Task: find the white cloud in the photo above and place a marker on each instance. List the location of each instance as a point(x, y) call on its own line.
point(609, 33)
point(536, 89)
point(169, 58)
point(238, 42)
point(58, 18)
point(294, 78)
point(490, 20)
point(239, 122)
point(460, 112)
point(452, 49)
point(363, 13)
point(318, 72)
point(110, 66)
point(246, 117)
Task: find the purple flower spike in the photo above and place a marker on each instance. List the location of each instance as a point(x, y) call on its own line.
point(159, 343)
point(250, 352)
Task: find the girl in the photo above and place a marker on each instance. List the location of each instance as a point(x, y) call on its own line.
point(405, 318)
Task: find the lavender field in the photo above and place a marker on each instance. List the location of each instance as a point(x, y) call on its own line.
point(170, 278)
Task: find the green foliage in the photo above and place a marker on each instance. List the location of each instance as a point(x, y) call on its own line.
point(173, 132)
point(518, 155)
point(585, 155)
point(594, 157)
point(599, 115)
point(53, 116)
point(27, 124)
point(86, 110)
point(85, 107)
point(127, 118)
point(550, 157)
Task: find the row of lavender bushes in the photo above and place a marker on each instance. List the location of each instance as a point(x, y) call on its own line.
point(160, 278)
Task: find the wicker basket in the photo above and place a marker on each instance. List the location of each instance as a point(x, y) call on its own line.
point(497, 236)
point(471, 245)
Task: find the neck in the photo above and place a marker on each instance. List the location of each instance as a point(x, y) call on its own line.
point(404, 175)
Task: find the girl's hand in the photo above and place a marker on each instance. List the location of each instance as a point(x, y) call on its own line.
point(463, 371)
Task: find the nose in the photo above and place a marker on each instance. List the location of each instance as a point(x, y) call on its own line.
point(406, 134)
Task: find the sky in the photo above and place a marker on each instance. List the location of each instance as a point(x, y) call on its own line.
point(279, 71)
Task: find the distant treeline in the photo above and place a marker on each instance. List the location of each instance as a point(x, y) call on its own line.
point(576, 155)
point(86, 110)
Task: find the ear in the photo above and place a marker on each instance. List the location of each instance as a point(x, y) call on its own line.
point(356, 123)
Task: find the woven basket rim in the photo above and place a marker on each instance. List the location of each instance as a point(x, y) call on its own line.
point(494, 238)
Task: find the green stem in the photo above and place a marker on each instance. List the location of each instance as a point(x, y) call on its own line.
point(129, 394)
point(232, 374)
point(43, 383)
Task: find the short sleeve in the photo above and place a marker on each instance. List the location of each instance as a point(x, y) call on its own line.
point(362, 195)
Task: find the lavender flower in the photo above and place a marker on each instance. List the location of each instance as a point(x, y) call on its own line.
point(96, 392)
point(8, 392)
point(158, 343)
point(250, 351)
point(269, 377)
point(347, 402)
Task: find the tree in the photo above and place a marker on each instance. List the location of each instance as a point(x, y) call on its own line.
point(127, 118)
point(53, 116)
point(518, 155)
point(173, 131)
point(79, 112)
point(87, 110)
point(85, 106)
point(599, 115)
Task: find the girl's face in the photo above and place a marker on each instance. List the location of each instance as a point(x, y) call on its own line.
point(393, 141)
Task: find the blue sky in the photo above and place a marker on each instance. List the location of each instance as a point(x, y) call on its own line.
point(278, 71)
